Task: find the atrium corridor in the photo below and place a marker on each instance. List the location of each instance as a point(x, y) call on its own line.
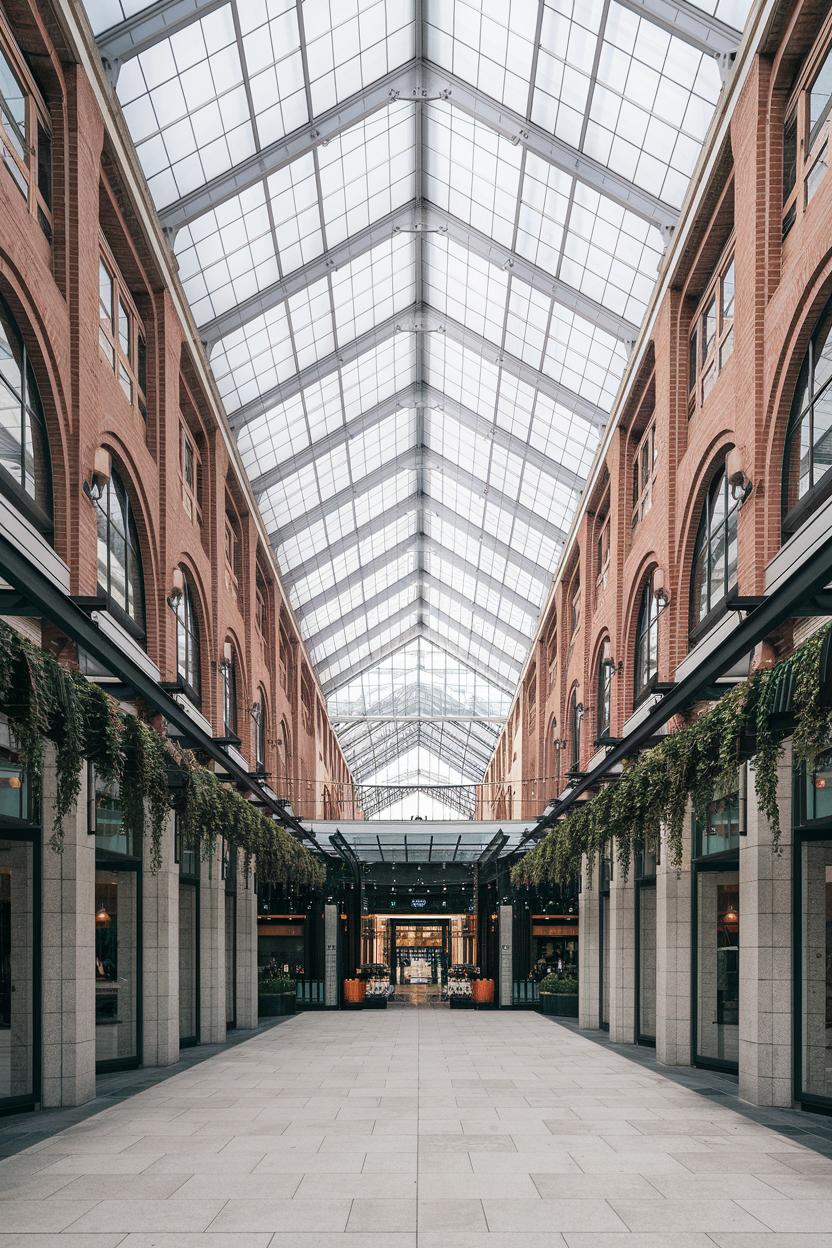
point(425, 1128)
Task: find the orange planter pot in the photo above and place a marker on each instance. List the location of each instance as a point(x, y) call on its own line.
point(482, 991)
point(354, 991)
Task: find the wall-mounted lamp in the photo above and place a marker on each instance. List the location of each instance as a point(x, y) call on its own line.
point(738, 482)
point(660, 591)
point(99, 477)
point(227, 656)
point(177, 589)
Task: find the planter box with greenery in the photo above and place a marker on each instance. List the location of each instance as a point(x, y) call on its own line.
point(275, 996)
point(559, 996)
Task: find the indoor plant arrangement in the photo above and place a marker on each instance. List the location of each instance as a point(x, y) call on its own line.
point(559, 995)
point(379, 989)
point(275, 991)
point(460, 976)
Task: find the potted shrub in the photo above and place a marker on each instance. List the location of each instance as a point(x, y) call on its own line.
point(376, 976)
point(460, 979)
point(559, 995)
point(276, 992)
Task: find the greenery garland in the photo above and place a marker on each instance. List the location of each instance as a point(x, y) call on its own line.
point(700, 762)
point(44, 700)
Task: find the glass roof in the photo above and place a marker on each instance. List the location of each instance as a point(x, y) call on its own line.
point(418, 238)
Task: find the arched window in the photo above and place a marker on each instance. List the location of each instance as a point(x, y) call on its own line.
point(647, 642)
point(808, 453)
point(187, 642)
point(119, 557)
point(715, 553)
point(228, 690)
point(261, 724)
point(605, 674)
point(25, 475)
point(576, 712)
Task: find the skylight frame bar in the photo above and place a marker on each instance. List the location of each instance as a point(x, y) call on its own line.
point(372, 660)
point(378, 630)
point(149, 26)
point(703, 31)
point(353, 616)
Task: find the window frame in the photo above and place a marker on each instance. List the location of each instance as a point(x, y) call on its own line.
point(190, 493)
point(261, 719)
point(187, 621)
point(232, 546)
point(793, 517)
point(602, 552)
point(643, 481)
point(135, 624)
point(646, 672)
point(699, 626)
point(28, 166)
point(708, 356)
point(604, 678)
point(812, 145)
point(124, 364)
point(31, 406)
point(574, 722)
point(228, 692)
point(574, 607)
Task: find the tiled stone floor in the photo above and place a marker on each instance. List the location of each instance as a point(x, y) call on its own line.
point(426, 1128)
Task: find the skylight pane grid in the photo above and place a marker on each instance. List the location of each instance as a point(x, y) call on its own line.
point(253, 358)
point(390, 492)
point(489, 45)
point(368, 171)
point(352, 597)
point(310, 316)
point(227, 254)
point(372, 287)
point(527, 323)
point(379, 372)
point(532, 544)
point(351, 43)
point(461, 373)
point(103, 14)
point(545, 498)
point(584, 357)
point(276, 436)
point(296, 494)
point(453, 538)
point(457, 443)
point(734, 12)
point(383, 442)
point(456, 496)
point(185, 105)
point(563, 437)
point(466, 288)
point(568, 40)
point(515, 405)
point(295, 210)
point(611, 254)
point(322, 403)
point(468, 623)
point(470, 171)
point(479, 651)
point(333, 570)
point(271, 46)
point(652, 105)
point(544, 209)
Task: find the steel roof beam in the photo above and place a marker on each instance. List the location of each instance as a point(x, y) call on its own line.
point(336, 588)
point(482, 489)
point(383, 652)
point(402, 463)
point(689, 23)
point(433, 507)
point(480, 613)
point(475, 637)
point(358, 613)
point(378, 630)
point(505, 684)
point(431, 547)
point(294, 576)
point(151, 25)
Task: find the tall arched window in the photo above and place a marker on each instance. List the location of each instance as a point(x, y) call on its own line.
point(187, 642)
point(715, 553)
point(647, 642)
point(808, 453)
point(576, 712)
point(24, 450)
point(119, 557)
point(261, 724)
point(228, 690)
point(604, 692)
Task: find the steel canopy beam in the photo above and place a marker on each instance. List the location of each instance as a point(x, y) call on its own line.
point(689, 23)
point(151, 25)
point(402, 463)
point(383, 652)
point(358, 613)
point(433, 507)
point(294, 576)
point(480, 613)
point(337, 588)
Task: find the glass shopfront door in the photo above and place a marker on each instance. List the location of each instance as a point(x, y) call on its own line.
point(716, 936)
point(187, 856)
point(230, 872)
point(816, 972)
point(646, 965)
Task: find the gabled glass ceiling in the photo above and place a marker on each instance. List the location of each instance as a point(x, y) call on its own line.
point(418, 237)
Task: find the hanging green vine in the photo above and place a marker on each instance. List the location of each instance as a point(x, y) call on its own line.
point(699, 762)
point(45, 701)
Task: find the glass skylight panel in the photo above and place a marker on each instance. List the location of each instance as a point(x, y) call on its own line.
point(381, 371)
point(527, 323)
point(253, 358)
point(295, 210)
point(544, 210)
point(461, 373)
point(489, 45)
point(611, 254)
point(652, 104)
point(368, 171)
point(457, 443)
point(373, 287)
point(310, 317)
point(734, 12)
point(271, 46)
point(470, 171)
point(103, 14)
point(227, 254)
point(351, 43)
point(382, 443)
point(184, 101)
point(568, 40)
point(564, 437)
point(585, 358)
point(466, 288)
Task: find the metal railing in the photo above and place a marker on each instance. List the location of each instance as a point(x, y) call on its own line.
point(309, 993)
point(525, 993)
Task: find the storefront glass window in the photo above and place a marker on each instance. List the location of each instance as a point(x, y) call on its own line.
point(116, 969)
point(646, 962)
point(816, 971)
point(717, 966)
point(17, 971)
point(188, 962)
point(718, 831)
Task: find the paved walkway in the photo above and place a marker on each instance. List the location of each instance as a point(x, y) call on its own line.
point(419, 1129)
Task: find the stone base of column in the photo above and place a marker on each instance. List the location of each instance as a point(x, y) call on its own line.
point(673, 960)
point(589, 950)
point(246, 950)
point(621, 936)
point(160, 956)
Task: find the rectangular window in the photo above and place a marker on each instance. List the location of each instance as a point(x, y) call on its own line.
point(189, 474)
point(805, 136)
point(820, 99)
point(231, 555)
point(575, 608)
point(712, 335)
point(25, 133)
point(644, 474)
point(120, 332)
point(602, 553)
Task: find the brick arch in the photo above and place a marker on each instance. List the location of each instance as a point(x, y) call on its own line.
point(591, 701)
point(206, 639)
point(244, 724)
point(709, 465)
point(144, 516)
point(54, 398)
point(632, 606)
point(805, 318)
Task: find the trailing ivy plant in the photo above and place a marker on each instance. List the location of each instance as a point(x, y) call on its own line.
point(700, 762)
point(45, 701)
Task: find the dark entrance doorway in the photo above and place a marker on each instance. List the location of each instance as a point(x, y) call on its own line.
point(419, 951)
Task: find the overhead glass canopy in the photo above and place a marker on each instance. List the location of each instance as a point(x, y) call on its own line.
point(418, 238)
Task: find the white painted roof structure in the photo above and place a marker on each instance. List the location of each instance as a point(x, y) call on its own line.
point(418, 237)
